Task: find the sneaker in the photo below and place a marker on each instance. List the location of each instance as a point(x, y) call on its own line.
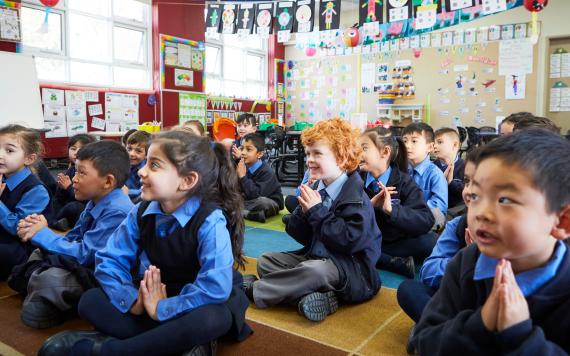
point(208, 349)
point(402, 265)
point(258, 216)
point(63, 342)
point(285, 219)
point(247, 285)
point(39, 314)
point(317, 306)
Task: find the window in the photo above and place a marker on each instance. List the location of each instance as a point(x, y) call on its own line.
point(236, 67)
point(86, 42)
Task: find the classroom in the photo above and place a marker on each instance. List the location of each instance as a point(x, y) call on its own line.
point(284, 177)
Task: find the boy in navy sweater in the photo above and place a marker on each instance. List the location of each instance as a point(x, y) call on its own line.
point(260, 187)
point(58, 273)
point(335, 224)
point(446, 151)
point(509, 293)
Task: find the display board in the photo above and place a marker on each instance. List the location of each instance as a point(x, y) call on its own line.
point(558, 69)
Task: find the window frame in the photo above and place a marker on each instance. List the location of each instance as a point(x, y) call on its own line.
point(113, 21)
point(221, 43)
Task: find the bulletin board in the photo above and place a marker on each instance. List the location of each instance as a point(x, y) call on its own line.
point(434, 75)
point(561, 118)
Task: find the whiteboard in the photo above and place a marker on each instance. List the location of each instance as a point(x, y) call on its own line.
point(20, 101)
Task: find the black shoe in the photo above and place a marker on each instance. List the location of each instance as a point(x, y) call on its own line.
point(62, 343)
point(403, 266)
point(208, 349)
point(39, 314)
point(258, 216)
point(62, 225)
point(286, 218)
point(247, 285)
point(410, 348)
point(317, 306)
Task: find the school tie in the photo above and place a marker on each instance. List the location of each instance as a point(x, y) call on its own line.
point(326, 199)
point(373, 186)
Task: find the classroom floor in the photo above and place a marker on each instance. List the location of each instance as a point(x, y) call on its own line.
point(377, 327)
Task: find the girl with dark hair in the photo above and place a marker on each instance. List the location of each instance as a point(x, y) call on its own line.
point(190, 230)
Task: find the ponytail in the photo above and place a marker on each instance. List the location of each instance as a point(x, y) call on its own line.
point(400, 154)
point(383, 137)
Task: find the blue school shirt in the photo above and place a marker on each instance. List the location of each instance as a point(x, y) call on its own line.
point(213, 283)
point(134, 181)
point(333, 189)
point(254, 167)
point(96, 223)
point(383, 178)
point(34, 201)
point(432, 182)
point(528, 281)
point(446, 247)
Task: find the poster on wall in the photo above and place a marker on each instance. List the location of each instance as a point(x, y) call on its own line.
point(229, 16)
point(264, 19)
point(329, 14)
point(192, 106)
point(399, 10)
point(452, 5)
point(245, 19)
point(515, 86)
point(426, 16)
point(213, 17)
point(284, 16)
point(371, 11)
point(304, 16)
point(183, 78)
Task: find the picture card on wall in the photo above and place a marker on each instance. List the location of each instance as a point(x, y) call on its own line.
point(96, 109)
point(452, 5)
point(197, 59)
point(284, 14)
point(74, 97)
point(91, 96)
point(370, 11)
point(245, 19)
point(54, 113)
point(494, 33)
point(426, 16)
point(492, 6)
point(76, 127)
point(229, 16)
point(304, 16)
point(264, 19)
point(183, 78)
point(213, 18)
point(507, 32)
point(53, 96)
point(55, 129)
point(329, 14)
point(76, 113)
point(399, 10)
point(98, 123)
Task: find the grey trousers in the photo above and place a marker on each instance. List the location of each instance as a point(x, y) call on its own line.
point(286, 277)
point(55, 285)
point(268, 206)
point(439, 219)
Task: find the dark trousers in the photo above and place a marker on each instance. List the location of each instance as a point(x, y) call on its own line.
point(413, 297)
point(140, 335)
point(419, 248)
point(291, 203)
point(12, 253)
point(70, 211)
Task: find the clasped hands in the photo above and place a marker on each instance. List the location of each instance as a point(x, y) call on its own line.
point(151, 291)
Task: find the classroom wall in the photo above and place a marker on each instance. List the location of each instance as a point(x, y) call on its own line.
point(554, 21)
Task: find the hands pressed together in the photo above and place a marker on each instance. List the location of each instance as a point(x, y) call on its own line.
point(384, 198)
point(448, 173)
point(308, 198)
point(506, 306)
point(63, 180)
point(151, 291)
point(241, 169)
point(30, 225)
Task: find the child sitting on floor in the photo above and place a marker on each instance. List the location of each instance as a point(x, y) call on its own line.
point(246, 124)
point(446, 150)
point(61, 269)
point(336, 226)
point(137, 146)
point(509, 293)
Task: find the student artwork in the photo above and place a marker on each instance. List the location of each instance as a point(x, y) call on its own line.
point(493, 6)
point(53, 96)
point(304, 16)
point(507, 32)
point(453, 5)
point(264, 19)
point(494, 33)
point(245, 19)
point(399, 10)
point(229, 19)
point(54, 113)
point(459, 81)
point(284, 16)
point(10, 25)
point(515, 86)
point(488, 83)
point(183, 78)
point(402, 76)
point(370, 11)
point(330, 14)
point(197, 60)
point(213, 18)
point(351, 37)
point(74, 128)
point(426, 16)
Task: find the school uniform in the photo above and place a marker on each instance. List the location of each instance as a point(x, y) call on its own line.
point(455, 188)
point(261, 190)
point(341, 245)
point(452, 319)
point(134, 181)
point(192, 249)
point(406, 232)
point(64, 203)
point(433, 184)
point(43, 173)
point(414, 295)
point(23, 195)
point(291, 201)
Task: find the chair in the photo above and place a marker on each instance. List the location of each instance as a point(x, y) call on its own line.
point(462, 137)
point(224, 128)
point(473, 139)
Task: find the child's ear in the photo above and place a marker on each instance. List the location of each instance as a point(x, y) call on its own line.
point(30, 159)
point(562, 228)
point(189, 182)
point(386, 151)
point(110, 182)
point(259, 154)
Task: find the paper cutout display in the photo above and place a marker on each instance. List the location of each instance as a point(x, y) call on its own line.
point(304, 16)
point(245, 19)
point(284, 20)
point(371, 11)
point(426, 16)
point(399, 10)
point(229, 19)
point(264, 19)
point(213, 18)
point(452, 5)
point(330, 14)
